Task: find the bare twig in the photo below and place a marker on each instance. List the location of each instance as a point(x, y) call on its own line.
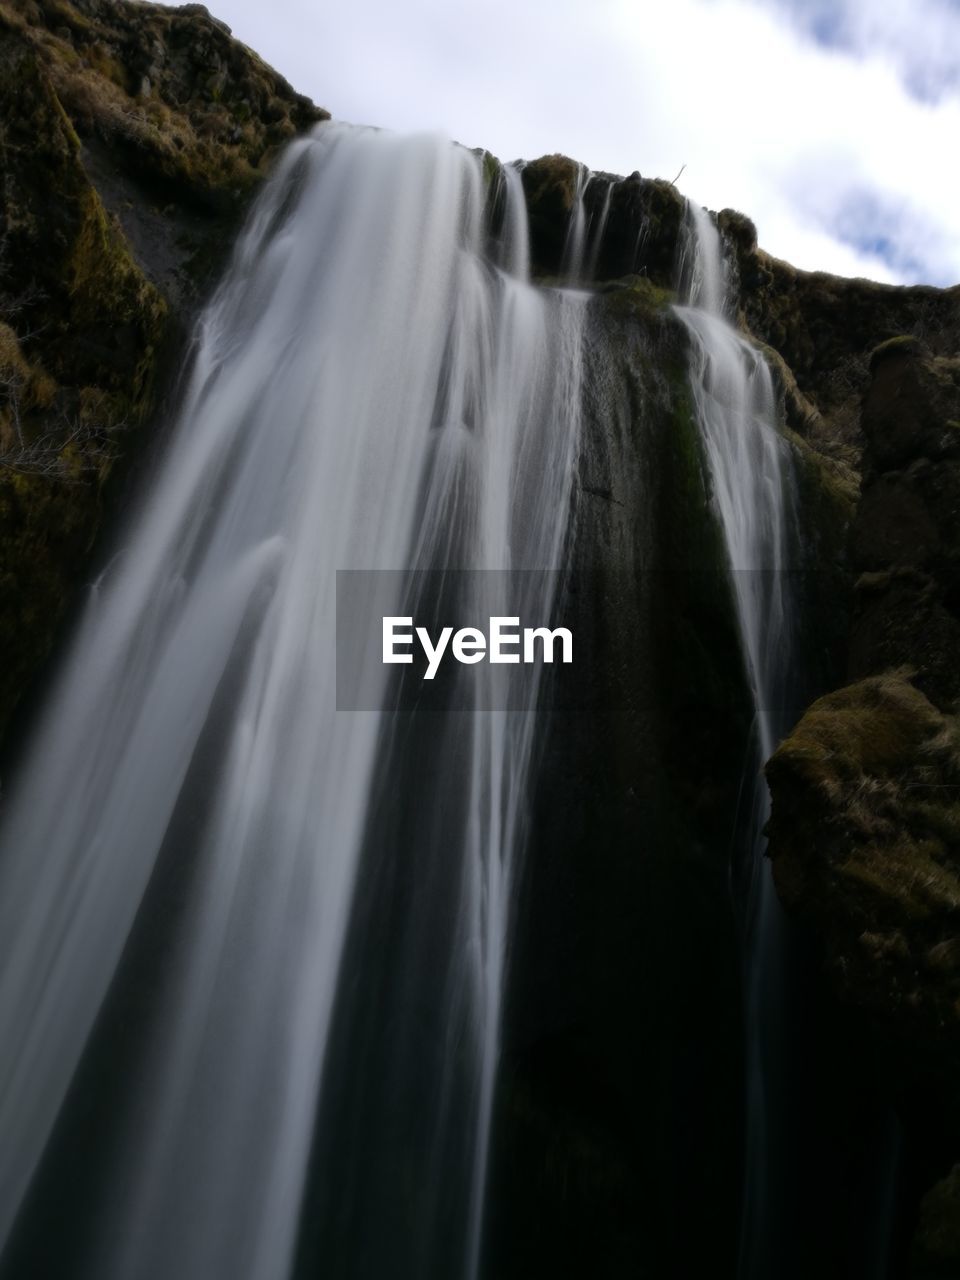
point(47, 454)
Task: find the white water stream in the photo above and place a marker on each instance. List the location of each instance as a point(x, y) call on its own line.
point(750, 469)
point(370, 390)
point(377, 386)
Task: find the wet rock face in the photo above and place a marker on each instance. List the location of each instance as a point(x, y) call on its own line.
point(631, 225)
point(603, 1062)
point(642, 230)
point(550, 188)
point(132, 138)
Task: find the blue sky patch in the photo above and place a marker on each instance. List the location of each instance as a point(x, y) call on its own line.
point(892, 231)
point(927, 61)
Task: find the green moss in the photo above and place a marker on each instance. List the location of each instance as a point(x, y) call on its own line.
point(866, 813)
point(665, 204)
point(905, 880)
point(636, 296)
point(940, 819)
point(492, 168)
point(105, 64)
point(550, 186)
point(740, 230)
point(102, 276)
point(904, 344)
point(875, 728)
point(938, 1237)
point(829, 492)
point(551, 179)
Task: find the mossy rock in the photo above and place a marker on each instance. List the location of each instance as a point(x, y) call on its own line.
point(936, 1246)
point(643, 231)
point(911, 404)
point(636, 296)
point(827, 329)
point(550, 187)
point(864, 843)
point(641, 220)
point(126, 175)
point(903, 346)
point(739, 230)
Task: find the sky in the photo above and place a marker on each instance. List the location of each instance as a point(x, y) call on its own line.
point(834, 124)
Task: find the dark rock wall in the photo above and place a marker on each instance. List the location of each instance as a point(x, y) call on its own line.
point(617, 1145)
point(865, 829)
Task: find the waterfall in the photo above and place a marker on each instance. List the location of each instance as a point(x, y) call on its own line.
point(585, 231)
point(376, 386)
point(575, 243)
point(597, 228)
point(750, 470)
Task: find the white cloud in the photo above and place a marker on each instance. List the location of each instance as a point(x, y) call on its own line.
point(767, 120)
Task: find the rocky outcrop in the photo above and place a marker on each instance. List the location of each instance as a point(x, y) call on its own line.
point(632, 224)
point(825, 327)
point(818, 330)
point(865, 843)
point(131, 139)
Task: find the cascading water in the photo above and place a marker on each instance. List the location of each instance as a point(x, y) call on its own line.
point(371, 391)
point(574, 249)
point(750, 469)
point(596, 229)
point(585, 231)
